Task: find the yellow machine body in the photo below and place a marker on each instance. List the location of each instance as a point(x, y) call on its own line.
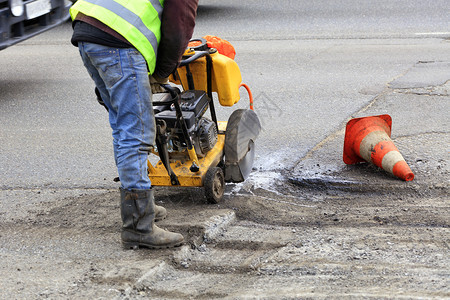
point(159, 176)
point(226, 77)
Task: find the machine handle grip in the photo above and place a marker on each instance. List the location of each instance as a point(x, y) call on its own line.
point(196, 56)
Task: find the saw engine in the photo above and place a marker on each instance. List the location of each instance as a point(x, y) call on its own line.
point(201, 130)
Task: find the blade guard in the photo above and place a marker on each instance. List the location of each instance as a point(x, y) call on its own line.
point(242, 130)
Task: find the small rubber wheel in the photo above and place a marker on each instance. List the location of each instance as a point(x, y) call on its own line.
point(214, 185)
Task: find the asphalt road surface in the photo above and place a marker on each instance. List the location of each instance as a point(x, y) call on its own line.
point(303, 225)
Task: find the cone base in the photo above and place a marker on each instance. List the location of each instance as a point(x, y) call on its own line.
point(354, 133)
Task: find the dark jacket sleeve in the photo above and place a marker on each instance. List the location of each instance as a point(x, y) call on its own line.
point(177, 26)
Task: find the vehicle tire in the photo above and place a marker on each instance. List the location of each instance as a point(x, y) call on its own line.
point(214, 184)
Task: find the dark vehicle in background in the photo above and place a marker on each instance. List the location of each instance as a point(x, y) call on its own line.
point(23, 19)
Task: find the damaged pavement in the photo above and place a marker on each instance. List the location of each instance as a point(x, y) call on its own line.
point(316, 229)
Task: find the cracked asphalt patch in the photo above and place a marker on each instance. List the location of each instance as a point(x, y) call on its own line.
point(422, 75)
point(425, 78)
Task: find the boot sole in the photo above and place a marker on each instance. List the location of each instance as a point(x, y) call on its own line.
point(135, 246)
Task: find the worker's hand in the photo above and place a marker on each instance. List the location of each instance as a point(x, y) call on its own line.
point(155, 83)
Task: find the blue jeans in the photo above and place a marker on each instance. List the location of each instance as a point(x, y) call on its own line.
point(121, 76)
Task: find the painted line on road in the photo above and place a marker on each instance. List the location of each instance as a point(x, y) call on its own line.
point(432, 33)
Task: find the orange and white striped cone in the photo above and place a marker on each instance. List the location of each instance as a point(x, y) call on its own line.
point(369, 139)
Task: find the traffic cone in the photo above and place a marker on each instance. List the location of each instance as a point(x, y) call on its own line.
point(369, 139)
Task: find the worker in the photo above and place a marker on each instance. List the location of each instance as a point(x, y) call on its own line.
point(121, 43)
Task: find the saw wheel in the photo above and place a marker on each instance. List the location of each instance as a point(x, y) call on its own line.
point(243, 127)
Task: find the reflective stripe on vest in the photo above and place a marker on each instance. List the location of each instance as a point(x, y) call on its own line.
point(138, 21)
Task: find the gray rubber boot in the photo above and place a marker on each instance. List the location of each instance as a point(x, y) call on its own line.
point(137, 209)
point(160, 213)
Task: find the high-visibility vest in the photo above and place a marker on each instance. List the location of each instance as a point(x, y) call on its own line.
point(138, 21)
